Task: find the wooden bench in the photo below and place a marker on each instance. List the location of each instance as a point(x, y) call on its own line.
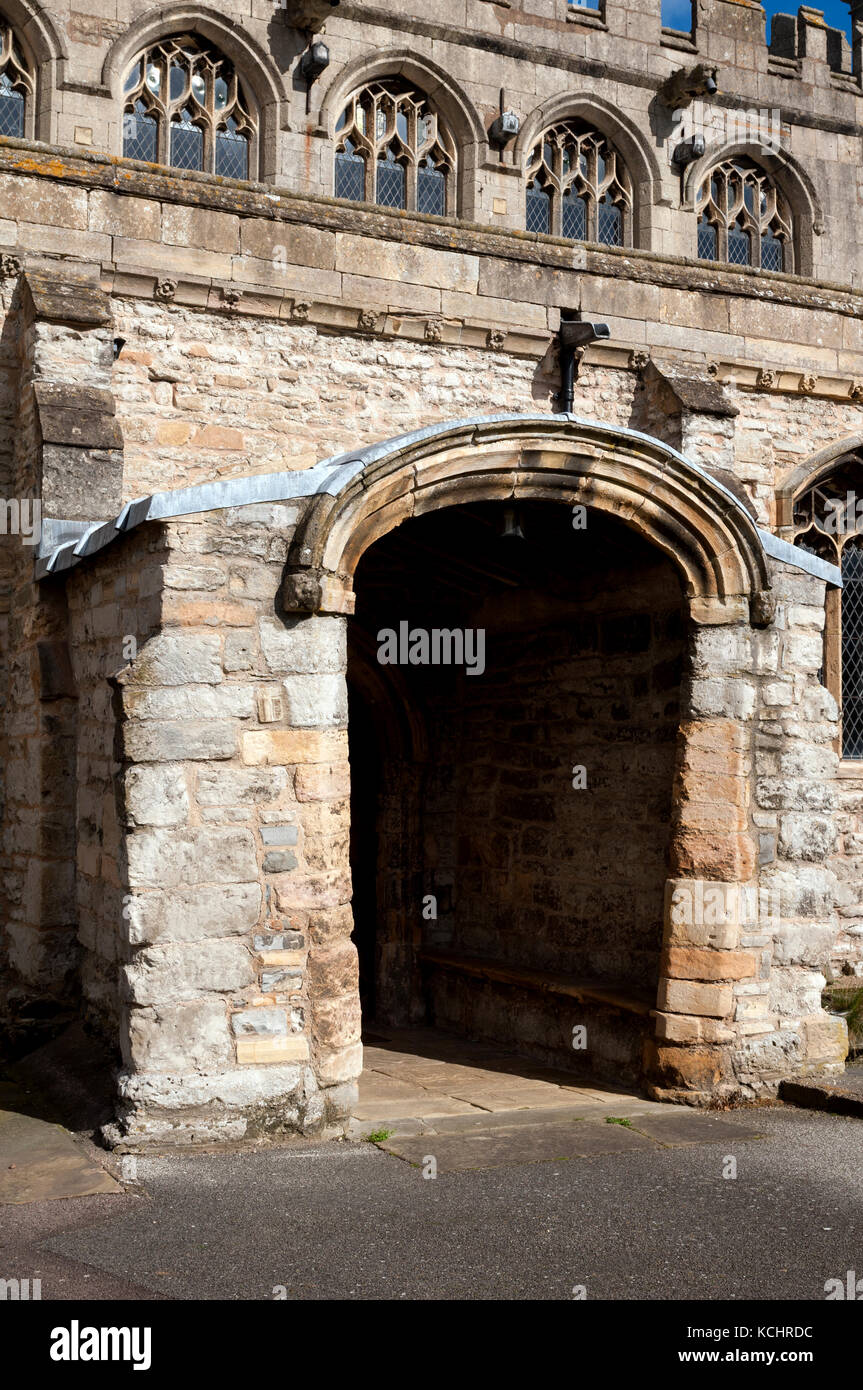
point(623, 997)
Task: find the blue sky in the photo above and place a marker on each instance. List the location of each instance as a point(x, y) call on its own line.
point(676, 13)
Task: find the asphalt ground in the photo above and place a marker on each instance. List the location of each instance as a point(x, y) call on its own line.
point(349, 1221)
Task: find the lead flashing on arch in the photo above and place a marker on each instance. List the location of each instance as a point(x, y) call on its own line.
point(332, 475)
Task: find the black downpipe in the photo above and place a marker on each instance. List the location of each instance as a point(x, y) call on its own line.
point(571, 353)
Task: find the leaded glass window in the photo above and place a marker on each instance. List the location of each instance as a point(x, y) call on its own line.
point(17, 86)
point(185, 106)
point(584, 185)
point(828, 522)
point(743, 218)
point(852, 649)
point(538, 209)
point(391, 149)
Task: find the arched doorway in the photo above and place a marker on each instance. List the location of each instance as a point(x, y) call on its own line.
point(646, 501)
point(512, 809)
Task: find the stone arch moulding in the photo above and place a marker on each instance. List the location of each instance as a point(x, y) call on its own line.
point(443, 92)
point(45, 47)
point(624, 134)
point(793, 182)
point(807, 474)
point(690, 516)
point(685, 513)
point(255, 66)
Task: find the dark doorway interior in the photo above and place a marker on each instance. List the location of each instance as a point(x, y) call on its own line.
point(493, 897)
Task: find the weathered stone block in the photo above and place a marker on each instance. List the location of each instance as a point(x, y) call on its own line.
point(260, 1051)
point(165, 974)
point(281, 747)
point(804, 836)
point(194, 703)
point(179, 658)
point(156, 795)
point(687, 997)
point(259, 1022)
point(279, 834)
point(279, 861)
point(323, 783)
point(316, 701)
point(178, 858)
point(825, 1039)
point(234, 786)
point(693, 963)
point(154, 741)
point(184, 1036)
point(312, 645)
point(193, 914)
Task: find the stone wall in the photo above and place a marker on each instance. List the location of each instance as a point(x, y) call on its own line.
point(269, 326)
point(211, 812)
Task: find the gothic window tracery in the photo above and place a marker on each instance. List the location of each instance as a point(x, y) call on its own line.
point(184, 106)
point(743, 218)
point(578, 187)
point(392, 149)
point(17, 84)
point(828, 522)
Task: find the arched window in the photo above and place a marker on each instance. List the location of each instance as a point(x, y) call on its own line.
point(578, 187)
point(828, 522)
point(392, 149)
point(16, 84)
point(184, 105)
point(743, 218)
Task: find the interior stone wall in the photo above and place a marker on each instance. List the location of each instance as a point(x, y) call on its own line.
point(544, 875)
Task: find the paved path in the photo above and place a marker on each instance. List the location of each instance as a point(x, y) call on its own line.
point(39, 1160)
point(423, 1081)
point(347, 1220)
point(842, 1096)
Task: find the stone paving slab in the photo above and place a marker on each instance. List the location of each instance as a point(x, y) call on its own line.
point(495, 1141)
point(678, 1125)
point(39, 1161)
point(844, 1096)
point(474, 1119)
point(497, 1148)
point(413, 1077)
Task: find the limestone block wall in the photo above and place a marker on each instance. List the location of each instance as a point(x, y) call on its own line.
point(212, 824)
point(847, 864)
point(746, 947)
point(114, 609)
point(794, 812)
point(60, 352)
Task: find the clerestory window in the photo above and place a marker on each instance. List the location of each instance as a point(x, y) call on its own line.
point(578, 187)
point(392, 149)
point(743, 218)
point(185, 106)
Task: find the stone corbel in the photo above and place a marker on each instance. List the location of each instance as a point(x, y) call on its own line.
point(82, 451)
point(316, 591)
point(762, 608)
